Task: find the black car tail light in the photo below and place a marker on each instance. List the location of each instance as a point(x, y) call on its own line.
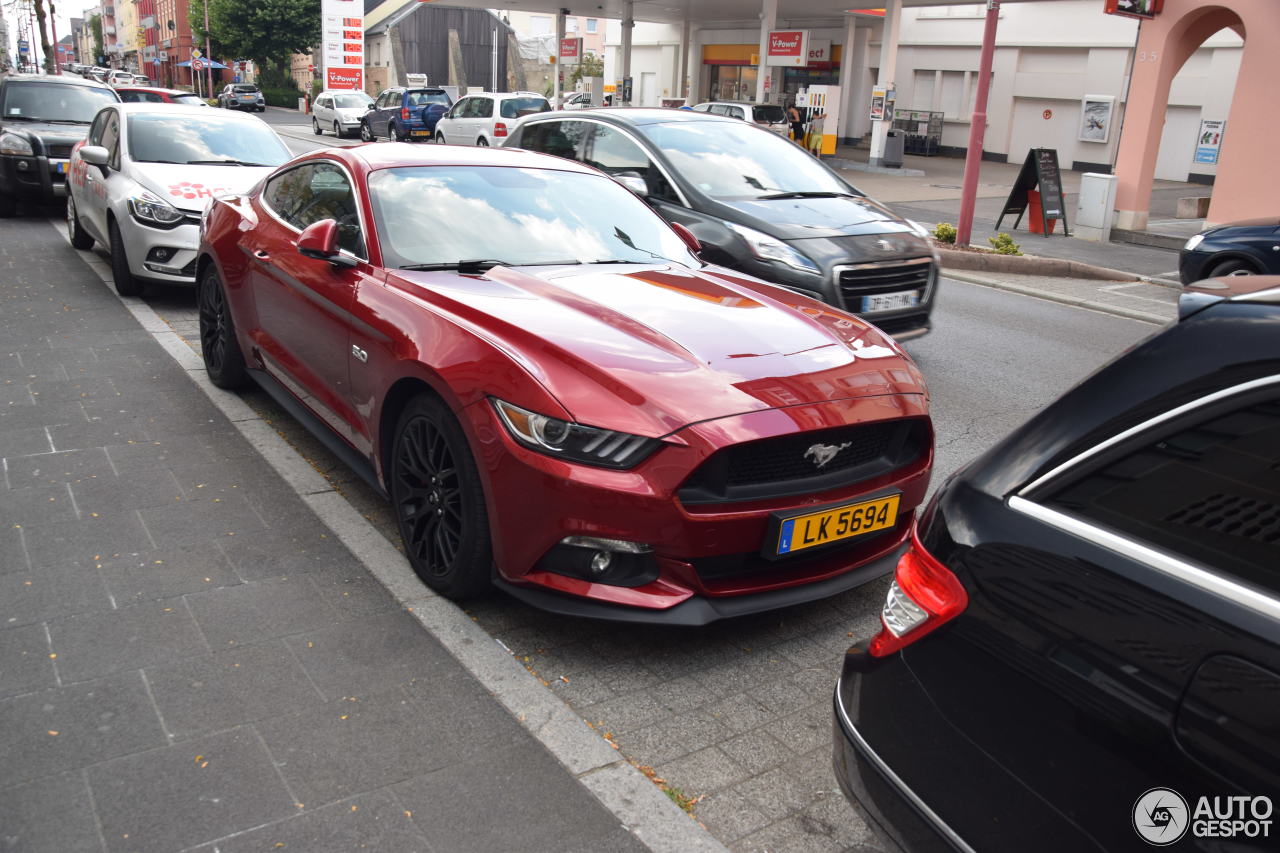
point(924, 595)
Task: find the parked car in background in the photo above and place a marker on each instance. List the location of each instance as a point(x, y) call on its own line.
point(120, 78)
point(242, 96)
point(1250, 247)
point(340, 111)
point(559, 397)
point(157, 95)
point(144, 175)
point(759, 204)
point(572, 101)
point(141, 80)
point(41, 118)
point(405, 113)
point(486, 118)
point(1090, 612)
point(769, 116)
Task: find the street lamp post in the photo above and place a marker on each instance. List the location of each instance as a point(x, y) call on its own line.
point(208, 52)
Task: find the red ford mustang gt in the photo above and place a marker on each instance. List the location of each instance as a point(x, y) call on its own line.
point(557, 396)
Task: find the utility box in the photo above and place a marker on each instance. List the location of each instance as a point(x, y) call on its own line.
point(893, 144)
point(1095, 207)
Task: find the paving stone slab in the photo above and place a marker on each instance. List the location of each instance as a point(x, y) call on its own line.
point(92, 645)
point(25, 662)
point(51, 814)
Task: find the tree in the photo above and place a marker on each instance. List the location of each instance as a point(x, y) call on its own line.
point(49, 59)
point(95, 27)
point(589, 65)
point(266, 31)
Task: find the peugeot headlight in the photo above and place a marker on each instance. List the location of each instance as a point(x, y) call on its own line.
point(150, 210)
point(772, 249)
point(574, 442)
point(1191, 244)
point(12, 143)
point(917, 229)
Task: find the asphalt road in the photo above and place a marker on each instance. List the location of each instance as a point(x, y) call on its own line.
point(739, 713)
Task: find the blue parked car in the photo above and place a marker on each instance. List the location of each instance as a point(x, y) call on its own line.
point(404, 114)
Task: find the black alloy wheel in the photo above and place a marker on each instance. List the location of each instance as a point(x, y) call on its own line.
point(80, 238)
point(223, 360)
point(127, 284)
point(439, 501)
point(366, 132)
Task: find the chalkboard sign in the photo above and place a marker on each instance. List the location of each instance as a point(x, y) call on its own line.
point(1040, 169)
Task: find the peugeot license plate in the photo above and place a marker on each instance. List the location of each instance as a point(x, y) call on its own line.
point(890, 301)
point(811, 529)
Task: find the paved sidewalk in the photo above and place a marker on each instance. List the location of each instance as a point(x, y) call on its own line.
point(189, 659)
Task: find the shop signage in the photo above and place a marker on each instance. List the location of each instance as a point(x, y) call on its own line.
point(1209, 142)
point(1134, 8)
point(788, 48)
point(819, 51)
point(1040, 169)
point(570, 51)
point(342, 43)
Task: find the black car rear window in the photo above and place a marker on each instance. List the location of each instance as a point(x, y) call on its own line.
point(1208, 492)
point(771, 113)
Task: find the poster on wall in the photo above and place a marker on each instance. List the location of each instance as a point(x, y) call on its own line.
point(1209, 143)
point(1134, 8)
point(342, 43)
point(878, 96)
point(1095, 118)
point(788, 48)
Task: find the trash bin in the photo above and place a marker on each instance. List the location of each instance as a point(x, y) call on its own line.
point(893, 143)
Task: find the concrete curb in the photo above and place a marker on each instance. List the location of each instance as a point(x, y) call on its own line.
point(859, 166)
point(641, 807)
point(1101, 307)
point(953, 259)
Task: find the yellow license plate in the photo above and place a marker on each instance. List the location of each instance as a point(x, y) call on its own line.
point(420, 132)
point(831, 525)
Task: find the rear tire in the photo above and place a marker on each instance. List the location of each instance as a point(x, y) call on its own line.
point(1233, 267)
point(80, 238)
point(438, 501)
point(482, 143)
point(366, 132)
point(126, 283)
point(398, 135)
point(219, 347)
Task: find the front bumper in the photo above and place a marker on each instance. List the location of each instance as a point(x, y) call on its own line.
point(707, 556)
point(36, 177)
point(180, 244)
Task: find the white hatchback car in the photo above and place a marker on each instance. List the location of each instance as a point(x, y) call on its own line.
point(769, 116)
point(339, 111)
point(140, 182)
point(486, 118)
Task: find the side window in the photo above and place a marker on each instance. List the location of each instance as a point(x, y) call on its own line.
point(111, 139)
point(562, 138)
point(383, 100)
point(718, 109)
point(1207, 490)
point(95, 132)
point(314, 192)
point(484, 107)
point(459, 109)
point(614, 154)
point(323, 102)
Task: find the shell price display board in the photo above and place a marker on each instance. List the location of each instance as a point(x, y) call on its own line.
point(342, 43)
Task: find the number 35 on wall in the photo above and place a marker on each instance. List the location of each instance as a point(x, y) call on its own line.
point(1148, 55)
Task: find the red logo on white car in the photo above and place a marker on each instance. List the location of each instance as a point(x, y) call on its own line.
point(186, 189)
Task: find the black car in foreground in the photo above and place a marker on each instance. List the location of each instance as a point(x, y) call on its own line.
point(1249, 247)
point(1081, 649)
point(758, 203)
point(41, 118)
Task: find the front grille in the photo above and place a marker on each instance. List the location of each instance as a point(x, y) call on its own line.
point(57, 152)
point(885, 277)
point(788, 465)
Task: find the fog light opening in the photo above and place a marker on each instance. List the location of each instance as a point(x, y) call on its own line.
point(600, 561)
point(616, 562)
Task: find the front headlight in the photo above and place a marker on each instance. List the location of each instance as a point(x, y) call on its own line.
point(918, 229)
point(12, 143)
point(1193, 242)
point(574, 442)
point(150, 210)
point(772, 249)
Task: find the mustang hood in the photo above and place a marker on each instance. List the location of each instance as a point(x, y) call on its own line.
point(191, 187)
point(799, 218)
point(652, 349)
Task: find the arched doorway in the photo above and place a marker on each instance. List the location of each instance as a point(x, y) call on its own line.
point(1247, 183)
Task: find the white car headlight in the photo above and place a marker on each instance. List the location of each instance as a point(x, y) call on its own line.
point(772, 249)
point(150, 210)
point(12, 143)
point(1193, 242)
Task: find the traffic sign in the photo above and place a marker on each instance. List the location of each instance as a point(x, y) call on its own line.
point(195, 53)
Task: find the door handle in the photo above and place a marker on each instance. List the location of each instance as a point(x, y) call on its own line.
point(262, 254)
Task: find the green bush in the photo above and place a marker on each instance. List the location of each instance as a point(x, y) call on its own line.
point(282, 97)
point(944, 232)
point(1004, 245)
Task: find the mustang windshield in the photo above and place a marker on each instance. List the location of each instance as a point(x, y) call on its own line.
point(446, 214)
point(739, 161)
point(184, 138)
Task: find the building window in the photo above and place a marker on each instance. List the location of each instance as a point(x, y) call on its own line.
point(592, 25)
point(540, 25)
point(733, 83)
point(570, 25)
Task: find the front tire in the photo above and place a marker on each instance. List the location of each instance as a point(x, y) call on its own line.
point(315, 127)
point(80, 238)
point(1234, 267)
point(223, 360)
point(126, 283)
point(440, 138)
point(337, 130)
point(439, 501)
point(366, 132)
